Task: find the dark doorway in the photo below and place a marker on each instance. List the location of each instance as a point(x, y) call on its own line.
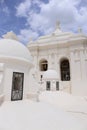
point(17, 86)
point(48, 85)
point(65, 70)
point(57, 85)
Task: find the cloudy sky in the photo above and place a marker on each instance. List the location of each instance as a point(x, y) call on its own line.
point(33, 18)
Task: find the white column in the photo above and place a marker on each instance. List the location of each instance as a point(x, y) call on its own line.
point(72, 66)
point(55, 61)
point(83, 69)
point(58, 70)
point(35, 61)
point(36, 66)
point(49, 62)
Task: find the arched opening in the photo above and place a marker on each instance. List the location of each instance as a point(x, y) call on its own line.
point(43, 65)
point(65, 70)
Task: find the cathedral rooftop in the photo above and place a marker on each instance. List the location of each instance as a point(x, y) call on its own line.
point(58, 37)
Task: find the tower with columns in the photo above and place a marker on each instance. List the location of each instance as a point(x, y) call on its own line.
point(66, 53)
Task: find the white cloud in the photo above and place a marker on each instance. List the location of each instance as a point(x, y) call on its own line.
point(23, 8)
point(4, 7)
point(6, 10)
point(26, 35)
point(43, 20)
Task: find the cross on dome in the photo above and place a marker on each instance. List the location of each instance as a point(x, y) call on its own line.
point(57, 24)
point(79, 30)
point(57, 28)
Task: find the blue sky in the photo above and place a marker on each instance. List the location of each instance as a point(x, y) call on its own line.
point(33, 18)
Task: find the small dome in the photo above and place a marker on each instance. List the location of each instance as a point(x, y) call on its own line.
point(50, 74)
point(13, 49)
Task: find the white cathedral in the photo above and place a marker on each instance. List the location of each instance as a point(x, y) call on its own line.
point(55, 62)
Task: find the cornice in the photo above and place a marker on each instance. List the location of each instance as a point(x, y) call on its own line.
point(60, 39)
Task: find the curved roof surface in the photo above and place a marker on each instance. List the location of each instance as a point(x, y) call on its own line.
point(50, 74)
point(30, 115)
point(14, 49)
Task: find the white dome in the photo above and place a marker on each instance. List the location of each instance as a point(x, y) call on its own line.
point(50, 74)
point(13, 49)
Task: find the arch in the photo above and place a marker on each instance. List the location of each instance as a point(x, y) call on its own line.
point(43, 65)
point(65, 69)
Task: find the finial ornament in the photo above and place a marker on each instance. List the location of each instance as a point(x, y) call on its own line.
point(57, 24)
point(79, 30)
point(57, 28)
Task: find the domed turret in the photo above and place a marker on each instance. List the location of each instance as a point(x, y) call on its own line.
point(16, 62)
point(12, 49)
point(50, 74)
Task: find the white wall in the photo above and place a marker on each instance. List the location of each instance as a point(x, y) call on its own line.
point(79, 87)
point(9, 69)
point(79, 70)
point(76, 52)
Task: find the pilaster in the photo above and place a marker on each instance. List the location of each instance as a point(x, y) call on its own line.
point(83, 69)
